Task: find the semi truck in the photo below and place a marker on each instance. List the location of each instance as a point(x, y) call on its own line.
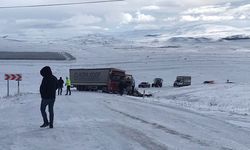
point(103, 79)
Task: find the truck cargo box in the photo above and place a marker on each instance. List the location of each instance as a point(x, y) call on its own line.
point(89, 76)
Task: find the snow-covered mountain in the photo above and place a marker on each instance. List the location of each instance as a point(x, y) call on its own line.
point(201, 116)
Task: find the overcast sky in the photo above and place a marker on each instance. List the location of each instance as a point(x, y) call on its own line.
point(118, 16)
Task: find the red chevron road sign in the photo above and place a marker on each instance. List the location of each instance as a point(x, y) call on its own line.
point(17, 77)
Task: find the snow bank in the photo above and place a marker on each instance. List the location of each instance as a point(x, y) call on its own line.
point(230, 98)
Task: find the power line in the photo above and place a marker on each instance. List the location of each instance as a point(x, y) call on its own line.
point(61, 4)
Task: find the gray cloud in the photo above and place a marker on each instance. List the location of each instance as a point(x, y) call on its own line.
point(217, 13)
point(128, 15)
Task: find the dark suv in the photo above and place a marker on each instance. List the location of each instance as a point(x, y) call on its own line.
point(157, 82)
point(182, 81)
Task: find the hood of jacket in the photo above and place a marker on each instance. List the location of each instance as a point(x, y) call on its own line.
point(46, 71)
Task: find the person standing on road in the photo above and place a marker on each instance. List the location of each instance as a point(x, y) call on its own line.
point(60, 83)
point(48, 94)
point(68, 85)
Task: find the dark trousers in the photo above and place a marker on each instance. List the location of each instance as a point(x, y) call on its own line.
point(68, 90)
point(44, 104)
point(121, 91)
point(133, 90)
point(59, 91)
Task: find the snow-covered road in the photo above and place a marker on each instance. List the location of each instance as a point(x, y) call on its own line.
point(198, 117)
point(111, 122)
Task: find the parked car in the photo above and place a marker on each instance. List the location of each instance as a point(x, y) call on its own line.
point(209, 82)
point(157, 82)
point(144, 85)
point(182, 81)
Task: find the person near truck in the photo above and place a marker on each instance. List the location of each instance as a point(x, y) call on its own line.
point(122, 86)
point(60, 83)
point(68, 85)
point(133, 86)
point(48, 94)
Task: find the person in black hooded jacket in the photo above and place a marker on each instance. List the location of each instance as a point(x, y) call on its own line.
point(48, 89)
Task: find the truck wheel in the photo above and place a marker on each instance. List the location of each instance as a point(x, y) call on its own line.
point(82, 88)
point(104, 89)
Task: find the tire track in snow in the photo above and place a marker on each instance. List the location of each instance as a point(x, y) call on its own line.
point(163, 128)
point(167, 130)
point(141, 138)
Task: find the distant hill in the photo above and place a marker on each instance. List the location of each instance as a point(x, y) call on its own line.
point(236, 37)
point(190, 39)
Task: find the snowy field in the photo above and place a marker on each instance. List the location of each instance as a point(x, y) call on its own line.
point(197, 117)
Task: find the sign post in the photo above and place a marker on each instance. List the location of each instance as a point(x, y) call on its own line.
point(17, 77)
point(18, 87)
point(8, 88)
